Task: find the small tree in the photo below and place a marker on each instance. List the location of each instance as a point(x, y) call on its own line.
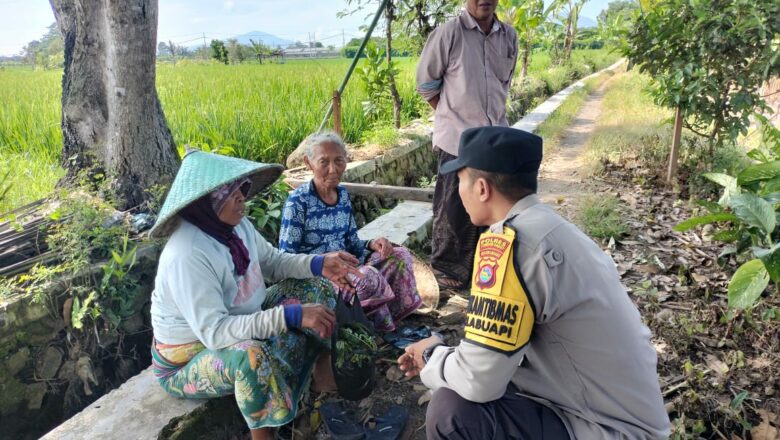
point(390, 72)
point(708, 59)
point(526, 17)
point(418, 18)
point(573, 9)
point(259, 49)
point(218, 51)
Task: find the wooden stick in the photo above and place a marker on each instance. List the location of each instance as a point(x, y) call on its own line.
point(337, 112)
point(367, 189)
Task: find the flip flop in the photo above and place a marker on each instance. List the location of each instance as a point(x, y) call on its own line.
point(406, 335)
point(390, 425)
point(340, 422)
point(447, 282)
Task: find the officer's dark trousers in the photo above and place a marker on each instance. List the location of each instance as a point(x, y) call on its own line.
point(513, 417)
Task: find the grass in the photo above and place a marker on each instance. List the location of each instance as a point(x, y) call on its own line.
point(633, 132)
point(600, 216)
point(261, 111)
point(384, 136)
point(551, 130)
point(631, 127)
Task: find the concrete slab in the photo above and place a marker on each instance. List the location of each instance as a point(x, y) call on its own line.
point(404, 224)
point(139, 409)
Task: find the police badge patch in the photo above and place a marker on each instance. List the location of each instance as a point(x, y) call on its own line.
point(499, 316)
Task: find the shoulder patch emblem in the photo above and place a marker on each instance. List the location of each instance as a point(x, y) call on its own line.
point(499, 316)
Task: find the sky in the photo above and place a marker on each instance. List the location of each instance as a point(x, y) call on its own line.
point(22, 21)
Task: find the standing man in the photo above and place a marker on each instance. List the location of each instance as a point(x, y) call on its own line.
point(554, 349)
point(464, 73)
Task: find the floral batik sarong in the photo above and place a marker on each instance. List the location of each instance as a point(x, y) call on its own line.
point(388, 290)
point(268, 377)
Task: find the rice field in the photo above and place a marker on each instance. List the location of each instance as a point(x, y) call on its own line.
point(262, 112)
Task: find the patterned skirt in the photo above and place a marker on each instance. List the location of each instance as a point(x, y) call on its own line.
point(268, 377)
point(388, 291)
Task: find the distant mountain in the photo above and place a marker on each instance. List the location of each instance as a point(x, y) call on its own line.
point(586, 22)
point(264, 37)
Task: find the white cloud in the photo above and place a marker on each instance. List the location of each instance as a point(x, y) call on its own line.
point(230, 4)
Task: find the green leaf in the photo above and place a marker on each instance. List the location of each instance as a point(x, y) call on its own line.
point(747, 284)
point(771, 259)
point(737, 402)
point(728, 236)
point(721, 179)
point(754, 211)
point(729, 184)
point(704, 220)
point(773, 198)
point(712, 207)
point(771, 186)
point(755, 173)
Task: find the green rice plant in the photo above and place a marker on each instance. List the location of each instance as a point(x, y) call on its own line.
point(258, 112)
point(29, 178)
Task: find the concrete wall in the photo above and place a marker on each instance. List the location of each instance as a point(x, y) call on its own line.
point(49, 373)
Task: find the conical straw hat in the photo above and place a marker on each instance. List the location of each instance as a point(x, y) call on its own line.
point(201, 173)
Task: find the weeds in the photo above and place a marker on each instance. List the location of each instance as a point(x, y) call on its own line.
point(600, 216)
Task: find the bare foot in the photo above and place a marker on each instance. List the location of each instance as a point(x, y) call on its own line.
point(323, 382)
point(262, 434)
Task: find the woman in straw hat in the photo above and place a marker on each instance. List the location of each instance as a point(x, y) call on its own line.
point(317, 217)
point(217, 329)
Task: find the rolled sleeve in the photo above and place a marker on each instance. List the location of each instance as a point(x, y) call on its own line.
point(433, 64)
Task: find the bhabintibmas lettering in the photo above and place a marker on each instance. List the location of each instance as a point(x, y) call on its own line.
point(493, 309)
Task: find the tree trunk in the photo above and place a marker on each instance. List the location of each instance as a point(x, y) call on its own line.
point(526, 59)
point(389, 15)
point(111, 116)
point(674, 153)
point(567, 42)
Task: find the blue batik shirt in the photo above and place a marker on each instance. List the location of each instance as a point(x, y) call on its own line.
point(311, 226)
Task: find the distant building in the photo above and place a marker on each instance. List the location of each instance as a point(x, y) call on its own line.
point(310, 52)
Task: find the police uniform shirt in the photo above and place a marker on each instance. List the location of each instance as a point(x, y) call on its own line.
point(588, 357)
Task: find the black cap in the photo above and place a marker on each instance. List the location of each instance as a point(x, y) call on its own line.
point(502, 150)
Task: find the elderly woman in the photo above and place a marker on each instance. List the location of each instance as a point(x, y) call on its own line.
point(217, 329)
point(318, 218)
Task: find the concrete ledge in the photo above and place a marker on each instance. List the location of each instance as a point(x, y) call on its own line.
point(405, 224)
point(535, 118)
point(139, 409)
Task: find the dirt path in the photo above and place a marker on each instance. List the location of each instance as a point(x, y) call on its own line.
point(562, 178)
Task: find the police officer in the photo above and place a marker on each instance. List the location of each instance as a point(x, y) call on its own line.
point(553, 348)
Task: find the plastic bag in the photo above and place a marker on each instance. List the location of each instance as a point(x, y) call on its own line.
point(354, 379)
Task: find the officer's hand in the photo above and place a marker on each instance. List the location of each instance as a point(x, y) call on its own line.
point(341, 268)
point(411, 362)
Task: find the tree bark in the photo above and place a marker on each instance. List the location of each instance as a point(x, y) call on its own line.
point(389, 16)
point(111, 115)
point(526, 59)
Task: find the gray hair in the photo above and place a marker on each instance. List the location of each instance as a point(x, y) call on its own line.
point(324, 137)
